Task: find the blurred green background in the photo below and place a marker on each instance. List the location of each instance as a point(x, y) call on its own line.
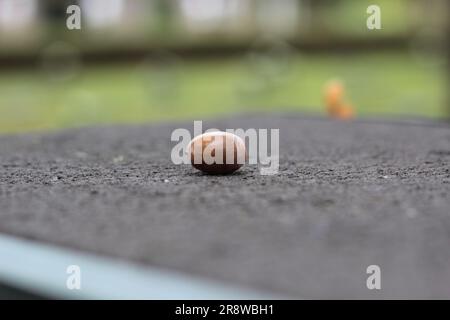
point(143, 61)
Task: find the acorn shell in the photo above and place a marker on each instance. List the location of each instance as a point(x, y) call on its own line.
point(211, 142)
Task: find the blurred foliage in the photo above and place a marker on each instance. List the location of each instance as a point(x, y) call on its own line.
point(63, 92)
point(345, 17)
point(160, 23)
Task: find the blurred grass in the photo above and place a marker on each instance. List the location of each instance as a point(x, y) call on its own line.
point(389, 84)
point(344, 17)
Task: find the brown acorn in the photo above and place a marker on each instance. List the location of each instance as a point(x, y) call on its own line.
point(217, 152)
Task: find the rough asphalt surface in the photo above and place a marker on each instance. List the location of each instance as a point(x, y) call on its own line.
point(348, 195)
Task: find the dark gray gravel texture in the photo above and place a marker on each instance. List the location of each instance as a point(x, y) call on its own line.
point(348, 195)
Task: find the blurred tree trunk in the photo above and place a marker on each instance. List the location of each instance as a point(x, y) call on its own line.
point(318, 8)
point(55, 12)
point(56, 9)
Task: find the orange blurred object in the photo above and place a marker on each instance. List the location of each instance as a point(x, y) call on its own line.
point(334, 93)
point(345, 111)
point(335, 103)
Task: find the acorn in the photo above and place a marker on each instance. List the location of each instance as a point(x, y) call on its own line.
point(217, 152)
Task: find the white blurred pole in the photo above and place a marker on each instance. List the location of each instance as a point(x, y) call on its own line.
point(102, 13)
point(17, 15)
